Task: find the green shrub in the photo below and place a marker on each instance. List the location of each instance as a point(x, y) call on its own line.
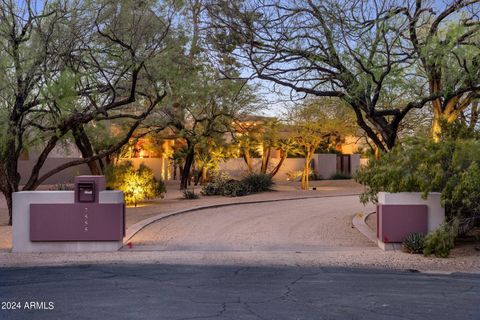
point(136, 184)
point(211, 189)
point(442, 240)
point(190, 194)
point(215, 188)
point(414, 242)
point(340, 176)
point(252, 183)
point(258, 182)
point(232, 188)
point(235, 188)
point(450, 166)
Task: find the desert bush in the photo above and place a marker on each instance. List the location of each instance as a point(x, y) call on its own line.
point(235, 188)
point(136, 184)
point(258, 182)
point(211, 189)
point(442, 240)
point(215, 187)
point(414, 242)
point(252, 183)
point(190, 194)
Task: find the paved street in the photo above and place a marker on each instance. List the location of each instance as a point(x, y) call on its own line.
point(216, 292)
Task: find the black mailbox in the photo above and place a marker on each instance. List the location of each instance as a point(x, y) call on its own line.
point(87, 188)
point(86, 191)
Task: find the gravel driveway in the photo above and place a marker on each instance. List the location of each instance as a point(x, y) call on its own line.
point(303, 225)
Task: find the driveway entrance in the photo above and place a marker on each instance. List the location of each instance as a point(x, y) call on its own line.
point(313, 224)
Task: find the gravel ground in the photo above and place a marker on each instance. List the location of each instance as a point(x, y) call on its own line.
point(295, 225)
point(461, 260)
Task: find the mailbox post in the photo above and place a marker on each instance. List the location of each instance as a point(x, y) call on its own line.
point(86, 219)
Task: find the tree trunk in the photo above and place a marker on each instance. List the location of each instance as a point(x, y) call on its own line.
point(445, 111)
point(169, 169)
point(265, 159)
point(10, 178)
point(8, 187)
point(452, 111)
point(187, 167)
point(83, 144)
point(436, 125)
point(306, 168)
point(279, 165)
point(204, 175)
point(376, 153)
point(248, 160)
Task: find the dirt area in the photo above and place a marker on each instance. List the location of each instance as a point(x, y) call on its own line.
point(294, 225)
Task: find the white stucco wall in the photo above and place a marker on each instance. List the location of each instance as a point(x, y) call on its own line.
point(436, 213)
point(326, 164)
point(21, 223)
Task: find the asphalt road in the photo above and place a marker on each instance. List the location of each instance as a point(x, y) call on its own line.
point(219, 292)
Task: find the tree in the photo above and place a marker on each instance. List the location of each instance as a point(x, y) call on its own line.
point(262, 137)
point(357, 51)
point(446, 42)
point(257, 137)
point(287, 146)
point(67, 65)
point(203, 106)
point(209, 152)
point(209, 117)
point(314, 122)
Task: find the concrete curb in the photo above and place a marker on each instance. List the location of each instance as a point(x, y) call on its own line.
point(359, 223)
point(137, 227)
